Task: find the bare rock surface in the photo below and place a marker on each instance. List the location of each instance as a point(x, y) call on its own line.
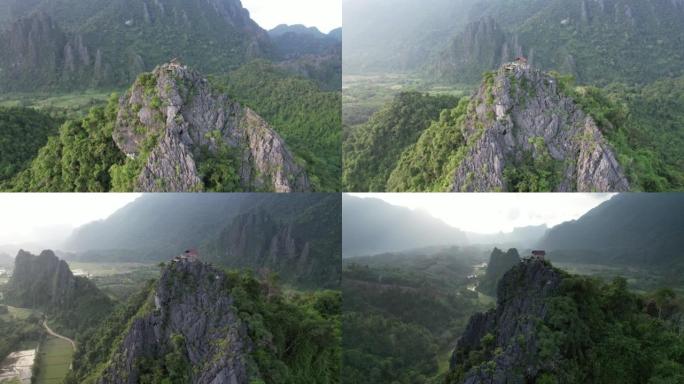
point(173, 118)
point(522, 110)
point(189, 313)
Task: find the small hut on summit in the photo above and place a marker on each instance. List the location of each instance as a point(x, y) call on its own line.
point(188, 255)
point(538, 255)
point(520, 62)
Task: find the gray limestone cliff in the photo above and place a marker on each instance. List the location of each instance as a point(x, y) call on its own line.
point(189, 318)
point(506, 336)
point(521, 111)
point(41, 281)
point(172, 119)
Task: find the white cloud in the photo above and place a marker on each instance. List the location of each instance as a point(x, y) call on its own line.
point(497, 212)
point(326, 15)
point(47, 218)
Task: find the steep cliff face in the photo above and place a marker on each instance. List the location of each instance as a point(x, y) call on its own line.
point(189, 326)
point(41, 281)
point(171, 120)
point(598, 41)
point(506, 337)
point(520, 117)
point(83, 47)
point(499, 263)
point(44, 282)
point(482, 44)
point(39, 53)
point(303, 247)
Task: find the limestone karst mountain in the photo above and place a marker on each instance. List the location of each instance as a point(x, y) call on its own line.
point(190, 316)
point(171, 121)
point(100, 43)
point(522, 110)
point(202, 324)
point(45, 283)
point(521, 303)
point(297, 235)
point(499, 263)
point(520, 131)
point(552, 326)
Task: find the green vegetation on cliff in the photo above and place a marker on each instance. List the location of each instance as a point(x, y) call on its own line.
point(307, 118)
point(78, 159)
point(295, 335)
point(585, 322)
point(645, 125)
point(401, 313)
point(23, 131)
point(372, 150)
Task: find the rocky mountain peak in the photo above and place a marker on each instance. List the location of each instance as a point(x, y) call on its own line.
point(41, 281)
point(519, 115)
point(189, 315)
point(173, 120)
point(510, 327)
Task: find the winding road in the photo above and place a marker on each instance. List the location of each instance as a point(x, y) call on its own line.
point(53, 333)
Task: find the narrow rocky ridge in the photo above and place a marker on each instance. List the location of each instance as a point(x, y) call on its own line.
point(521, 306)
point(172, 116)
point(188, 313)
point(521, 110)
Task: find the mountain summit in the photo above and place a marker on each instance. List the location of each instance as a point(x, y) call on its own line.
point(177, 128)
point(521, 112)
point(520, 131)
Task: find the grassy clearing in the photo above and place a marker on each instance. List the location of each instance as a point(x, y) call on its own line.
point(17, 313)
point(46, 101)
point(364, 95)
point(54, 360)
point(109, 269)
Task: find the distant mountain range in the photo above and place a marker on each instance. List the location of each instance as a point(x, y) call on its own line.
point(630, 228)
point(637, 228)
point(296, 235)
point(71, 44)
point(372, 226)
point(599, 41)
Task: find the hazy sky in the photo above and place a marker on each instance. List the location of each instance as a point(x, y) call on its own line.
point(47, 218)
point(326, 15)
point(497, 212)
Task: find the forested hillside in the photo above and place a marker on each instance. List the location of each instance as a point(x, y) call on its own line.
point(369, 157)
point(550, 326)
point(23, 132)
point(254, 333)
point(400, 313)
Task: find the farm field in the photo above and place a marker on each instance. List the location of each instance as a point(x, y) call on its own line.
point(54, 360)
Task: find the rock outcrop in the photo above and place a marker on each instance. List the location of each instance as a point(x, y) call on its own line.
point(173, 118)
point(521, 110)
point(482, 44)
point(45, 283)
point(506, 336)
point(189, 316)
point(42, 281)
point(499, 263)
